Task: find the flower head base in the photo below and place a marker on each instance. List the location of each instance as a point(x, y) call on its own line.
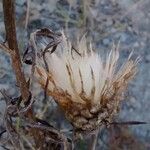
point(87, 87)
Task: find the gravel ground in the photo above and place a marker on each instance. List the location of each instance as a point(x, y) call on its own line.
point(105, 21)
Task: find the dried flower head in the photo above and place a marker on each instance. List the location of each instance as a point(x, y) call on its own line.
point(86, 86)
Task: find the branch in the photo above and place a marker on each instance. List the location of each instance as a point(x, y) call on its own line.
point(10, 27)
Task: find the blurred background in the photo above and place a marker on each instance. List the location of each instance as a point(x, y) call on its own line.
point(105, 22)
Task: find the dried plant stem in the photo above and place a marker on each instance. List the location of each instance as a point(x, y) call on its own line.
point(27, 14)
point(94, 140)
point(10, 27)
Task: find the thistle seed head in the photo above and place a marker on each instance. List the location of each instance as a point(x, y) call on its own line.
point(87, 87)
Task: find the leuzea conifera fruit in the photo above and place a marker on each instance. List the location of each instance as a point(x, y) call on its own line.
point(87, 86)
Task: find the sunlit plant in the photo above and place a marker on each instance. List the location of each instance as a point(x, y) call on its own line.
point(87, 86)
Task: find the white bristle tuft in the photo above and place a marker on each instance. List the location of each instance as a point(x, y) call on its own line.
point(78, 74)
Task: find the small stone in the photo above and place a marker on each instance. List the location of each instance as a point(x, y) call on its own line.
point(147, 58)
point(136, 44)
point(106, 41)
point(109, 22)
point(20, 2)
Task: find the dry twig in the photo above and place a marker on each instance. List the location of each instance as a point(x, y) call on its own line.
point(27, 13)
point(9, 20)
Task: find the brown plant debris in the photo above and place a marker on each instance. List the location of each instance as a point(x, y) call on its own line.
point(88, 87)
